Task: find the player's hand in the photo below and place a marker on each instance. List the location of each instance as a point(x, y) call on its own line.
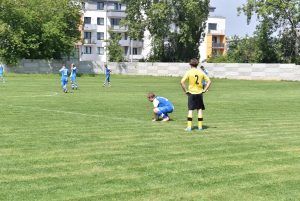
point(187, 93)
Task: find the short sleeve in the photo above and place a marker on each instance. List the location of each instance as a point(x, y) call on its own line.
point(155, 102)
point(185, 77)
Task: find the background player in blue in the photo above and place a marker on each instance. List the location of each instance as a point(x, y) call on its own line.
point(73, 76)
point(107, 75)
point(2, 72)
point(204, 83)
point(64, 78)
point(162, 107)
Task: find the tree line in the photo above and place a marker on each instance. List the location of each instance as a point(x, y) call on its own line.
point(38, 29)
point(276, 39)
point(47, 29)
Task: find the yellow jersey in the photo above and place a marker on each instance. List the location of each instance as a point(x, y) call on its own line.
point(195, 77)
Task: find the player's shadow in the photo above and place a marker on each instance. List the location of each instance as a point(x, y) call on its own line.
point(204, 127)
point(160, 120)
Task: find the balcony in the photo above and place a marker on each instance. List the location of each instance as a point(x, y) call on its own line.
point(89, 41)
point(90, 27)
point(116, 14)
point(137, 43)
point(118, 28)
point(124, 43)
point(218, 45)
point(216, 32)
point(133, 43)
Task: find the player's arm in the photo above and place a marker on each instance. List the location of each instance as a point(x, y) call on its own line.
point(206, 78)
point(182, 83)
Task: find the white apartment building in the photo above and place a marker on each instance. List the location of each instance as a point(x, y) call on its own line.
point(101, 15)
point(98, 18)
point(214, 42)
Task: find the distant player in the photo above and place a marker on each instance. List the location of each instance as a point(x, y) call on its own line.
point(73, 77)
point(64, 78)
point(107, 76)
point(194, 93)
point(206, 73)
point(2, 72)
point(162, 107)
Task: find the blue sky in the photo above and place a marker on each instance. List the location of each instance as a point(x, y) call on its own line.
point(235, 25)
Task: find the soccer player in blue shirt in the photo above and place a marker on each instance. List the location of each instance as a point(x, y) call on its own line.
point(107, 75)
point(2, 72)
point(162, 107)
point(204, 83)
point(64, 78)
point(73, 76)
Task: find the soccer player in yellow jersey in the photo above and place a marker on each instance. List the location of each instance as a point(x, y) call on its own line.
point(194, 93)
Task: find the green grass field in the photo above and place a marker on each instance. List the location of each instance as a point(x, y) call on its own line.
point(100, 143)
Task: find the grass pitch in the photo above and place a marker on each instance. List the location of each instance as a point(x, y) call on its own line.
point(100, 144)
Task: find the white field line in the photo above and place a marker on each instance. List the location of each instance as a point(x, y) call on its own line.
point(48, 95)
point(71, 113)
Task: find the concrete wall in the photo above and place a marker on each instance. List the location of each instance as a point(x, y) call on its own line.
point(230, 71)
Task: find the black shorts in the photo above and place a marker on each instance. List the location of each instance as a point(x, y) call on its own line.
point(195, 102)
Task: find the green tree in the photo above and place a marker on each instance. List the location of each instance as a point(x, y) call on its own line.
point(115, 51)
point(266, 43)
point(175, 26)
point(38, 29)
point(282, 14)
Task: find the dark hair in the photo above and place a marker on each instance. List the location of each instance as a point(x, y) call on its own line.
point(150, 95)
point(194, 62)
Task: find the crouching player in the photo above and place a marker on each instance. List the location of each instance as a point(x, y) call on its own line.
point(162, 107)
point(73, 76)
point(64, 78)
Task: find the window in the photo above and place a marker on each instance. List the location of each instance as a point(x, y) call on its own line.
point(100, 50)
point(115, 21)
point(212, 26)
point(125, 36)
point(87, 35)
point(126, 50)
point(100, 5)
point(214, 39)
point(100, 21)
point(117, 6)
point(100, 35)
point(134, 51)
point(87, 20)
point(87, 50)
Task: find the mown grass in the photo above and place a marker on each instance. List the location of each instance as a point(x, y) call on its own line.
point(100, 144)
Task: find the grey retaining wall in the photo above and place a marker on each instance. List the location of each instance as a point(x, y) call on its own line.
point(218, 70)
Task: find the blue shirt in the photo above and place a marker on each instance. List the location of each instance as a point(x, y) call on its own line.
point(74, 71)
point(64, 73)
point(107, 71)
point(1, 69)
point(161, 102)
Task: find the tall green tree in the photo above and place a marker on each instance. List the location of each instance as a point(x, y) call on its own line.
point(38, 29)
point(284, 15)
point(115, 51)
point(175, 26)
point(266, 43)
